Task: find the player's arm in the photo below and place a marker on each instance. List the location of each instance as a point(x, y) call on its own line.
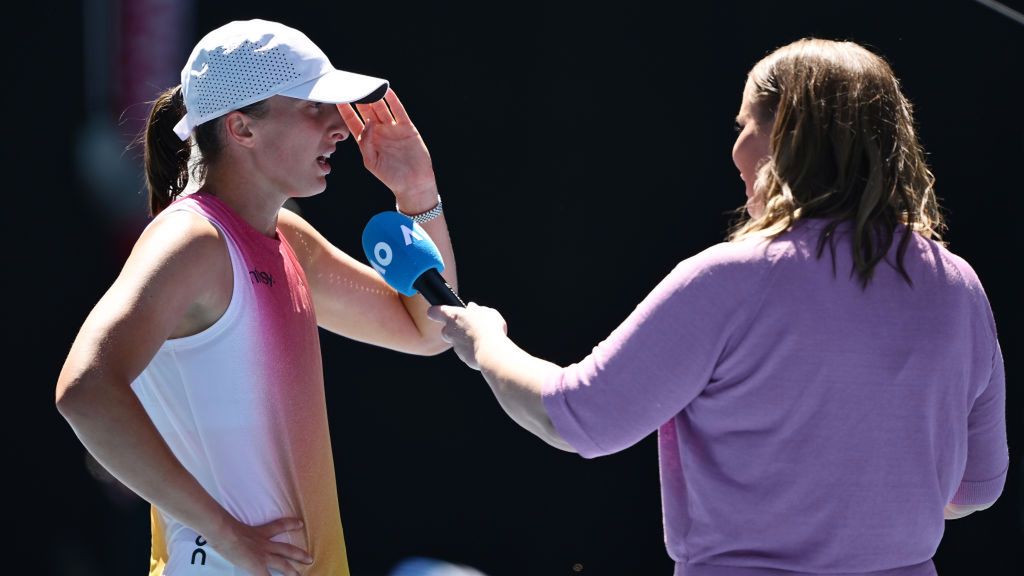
point(352, 299)
point(171, 284)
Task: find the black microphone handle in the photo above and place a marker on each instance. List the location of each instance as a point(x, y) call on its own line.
point(434, 288)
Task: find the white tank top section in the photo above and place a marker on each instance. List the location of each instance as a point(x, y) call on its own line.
point(241, 405)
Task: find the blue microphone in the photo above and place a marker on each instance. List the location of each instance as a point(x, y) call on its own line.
point(404, 255)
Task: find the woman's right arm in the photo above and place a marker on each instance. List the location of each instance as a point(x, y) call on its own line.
point(169, 281)
point(988, 455)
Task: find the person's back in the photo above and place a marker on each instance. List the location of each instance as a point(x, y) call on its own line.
point(834, 428)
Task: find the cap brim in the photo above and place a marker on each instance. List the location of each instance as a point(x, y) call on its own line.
point(340, 87)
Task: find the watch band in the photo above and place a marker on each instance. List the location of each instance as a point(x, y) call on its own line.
point(423, 216)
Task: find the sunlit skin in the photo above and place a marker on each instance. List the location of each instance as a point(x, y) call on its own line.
point(751, 149)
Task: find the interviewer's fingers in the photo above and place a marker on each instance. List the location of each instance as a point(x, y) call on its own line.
point(453, 331)
point(441, 313)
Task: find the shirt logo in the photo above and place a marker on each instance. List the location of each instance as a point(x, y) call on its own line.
point(258, 277)
point(199, 552)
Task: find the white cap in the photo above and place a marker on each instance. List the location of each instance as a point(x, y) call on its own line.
point(243, 62)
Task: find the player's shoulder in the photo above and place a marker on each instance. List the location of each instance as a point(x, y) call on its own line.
point(302, 236)
point(182, 236)
point(291, 219)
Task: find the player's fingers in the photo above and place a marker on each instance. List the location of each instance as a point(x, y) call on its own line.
point(352, 120)
point(397, 109)
point(380, 108)
point(289, 551)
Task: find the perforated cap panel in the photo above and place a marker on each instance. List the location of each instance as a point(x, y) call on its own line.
point(243, 74)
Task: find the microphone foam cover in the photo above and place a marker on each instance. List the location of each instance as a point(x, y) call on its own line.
point(399, 250)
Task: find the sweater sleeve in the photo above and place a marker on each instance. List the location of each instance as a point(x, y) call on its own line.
point(661, 357)
point(988, 459)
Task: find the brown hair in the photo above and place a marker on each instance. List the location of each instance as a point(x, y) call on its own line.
point(842, 148)
point(167, 156)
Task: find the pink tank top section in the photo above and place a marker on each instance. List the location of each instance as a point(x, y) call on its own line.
point(242, 406)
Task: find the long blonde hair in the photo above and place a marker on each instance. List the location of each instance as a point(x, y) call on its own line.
point(842, 148)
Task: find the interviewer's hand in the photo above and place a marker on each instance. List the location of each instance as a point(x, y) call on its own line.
point(467, 329)
point(251, 548)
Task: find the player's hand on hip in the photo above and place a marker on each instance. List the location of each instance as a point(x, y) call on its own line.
point(251, 548)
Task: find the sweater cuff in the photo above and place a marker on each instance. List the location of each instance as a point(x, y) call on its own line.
point(565, 421)
point(984, 492)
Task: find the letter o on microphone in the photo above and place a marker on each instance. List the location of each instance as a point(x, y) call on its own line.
point(404, 255)
point(382, 253)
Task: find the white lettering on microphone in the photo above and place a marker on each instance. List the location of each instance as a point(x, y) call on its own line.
point(407, 232)
point(383, 255)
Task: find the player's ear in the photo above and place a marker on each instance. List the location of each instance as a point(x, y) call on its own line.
point(238, 128)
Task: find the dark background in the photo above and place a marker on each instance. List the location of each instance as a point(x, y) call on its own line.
point(581, 153)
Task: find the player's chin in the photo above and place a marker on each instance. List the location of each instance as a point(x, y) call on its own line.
point(311, 190)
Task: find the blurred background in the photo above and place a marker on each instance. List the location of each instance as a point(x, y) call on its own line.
point(581, 151)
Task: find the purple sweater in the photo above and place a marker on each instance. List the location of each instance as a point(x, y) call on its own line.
point(804, 425)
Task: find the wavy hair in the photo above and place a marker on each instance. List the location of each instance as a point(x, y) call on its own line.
point(842, 148)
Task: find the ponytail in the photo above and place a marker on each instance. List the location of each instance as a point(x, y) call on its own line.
point(166, 155)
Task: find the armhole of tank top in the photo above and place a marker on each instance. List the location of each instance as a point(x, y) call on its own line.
point(239, 281)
